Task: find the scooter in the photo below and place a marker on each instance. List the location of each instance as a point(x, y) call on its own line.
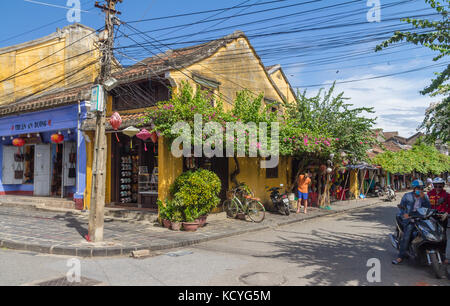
point(427, 241)
point(391, 196)
point(388, 192)
point(280, 201)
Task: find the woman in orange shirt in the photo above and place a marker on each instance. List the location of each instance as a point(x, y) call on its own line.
point(303, 183)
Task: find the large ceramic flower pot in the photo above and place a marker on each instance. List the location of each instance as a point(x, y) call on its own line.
point(166, 223)
point(202, 220)
point(190, 226)
point(175, 226)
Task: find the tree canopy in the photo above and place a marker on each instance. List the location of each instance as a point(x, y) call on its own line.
point(346, 128)
point(422, 158)
point(433, 34)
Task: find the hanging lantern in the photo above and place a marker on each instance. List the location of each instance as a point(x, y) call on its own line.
point(18, 142)
point(131, 132)
point(144, 135)
point(154, 137)
point(116, 122)
point(57, 138)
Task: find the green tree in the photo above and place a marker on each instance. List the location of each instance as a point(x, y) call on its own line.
point(433, 34)
point(343, 127)
point(422, 158)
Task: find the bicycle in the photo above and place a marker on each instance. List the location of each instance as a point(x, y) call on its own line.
point(248, 205)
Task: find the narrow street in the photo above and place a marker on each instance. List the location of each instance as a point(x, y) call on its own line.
point(330, 250)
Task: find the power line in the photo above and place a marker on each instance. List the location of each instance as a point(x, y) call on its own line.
point(40, 27)
point(377, 77)
point(48, 56)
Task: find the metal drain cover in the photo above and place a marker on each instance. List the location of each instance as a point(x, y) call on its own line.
point(62, 281)
point(262, 279)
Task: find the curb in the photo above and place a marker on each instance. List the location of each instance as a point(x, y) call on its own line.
point(90, 252)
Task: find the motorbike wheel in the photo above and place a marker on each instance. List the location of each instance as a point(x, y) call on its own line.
point(439, 269)
point(287, 211)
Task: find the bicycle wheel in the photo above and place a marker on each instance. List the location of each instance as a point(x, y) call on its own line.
point(256, 211)
point(231, 208)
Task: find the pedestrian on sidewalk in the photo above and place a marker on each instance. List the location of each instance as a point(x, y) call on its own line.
point(303, 185)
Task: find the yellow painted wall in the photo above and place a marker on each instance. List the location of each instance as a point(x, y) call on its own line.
point(49, 63)
point(255, 177)
point(236, 67)
point(283, 85)
point(89, 160)
point(169, 168)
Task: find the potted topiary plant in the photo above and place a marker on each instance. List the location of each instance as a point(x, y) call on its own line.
point(164, 214)
point(196, 194)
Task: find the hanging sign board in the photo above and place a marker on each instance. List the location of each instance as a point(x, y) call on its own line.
point(97, 99)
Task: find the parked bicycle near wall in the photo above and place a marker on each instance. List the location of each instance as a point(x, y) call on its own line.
point(242, 201)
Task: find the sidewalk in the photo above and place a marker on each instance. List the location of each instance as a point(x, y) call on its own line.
point(61, 233)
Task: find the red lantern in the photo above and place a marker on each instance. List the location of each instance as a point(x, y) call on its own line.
point(57, 138)
point(154, 138)
point(144, 135)
point(116, 122)
point(18, 142)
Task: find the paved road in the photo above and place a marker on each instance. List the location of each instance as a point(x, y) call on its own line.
point(331, 250)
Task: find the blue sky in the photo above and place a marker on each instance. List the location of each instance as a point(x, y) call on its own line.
point(329, 40)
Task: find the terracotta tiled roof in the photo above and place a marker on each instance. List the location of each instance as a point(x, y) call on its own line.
point(174, 59)
point(47, 100)
point(128, 120)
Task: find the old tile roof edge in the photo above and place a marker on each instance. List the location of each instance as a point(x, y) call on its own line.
point(58, 97)
point(144, 70)
point(58, 34)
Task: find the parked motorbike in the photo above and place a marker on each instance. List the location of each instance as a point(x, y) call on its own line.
point(387, 192)
point(428, 239)
point(280, 201)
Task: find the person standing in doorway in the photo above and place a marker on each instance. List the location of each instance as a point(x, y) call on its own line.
point(303, 184)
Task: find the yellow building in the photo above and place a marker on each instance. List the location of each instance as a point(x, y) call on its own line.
point(64, 59)
point(223, 67)
point(45, 89)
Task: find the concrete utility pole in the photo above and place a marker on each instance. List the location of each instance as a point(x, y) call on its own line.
point(96, 213)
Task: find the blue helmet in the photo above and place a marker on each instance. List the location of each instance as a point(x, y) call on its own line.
point(417, 183)
point(438, 180)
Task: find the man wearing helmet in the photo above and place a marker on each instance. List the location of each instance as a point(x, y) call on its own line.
point(410, 202)
point(440, 200)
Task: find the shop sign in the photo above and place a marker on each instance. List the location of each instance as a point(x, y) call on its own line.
point(31, 125)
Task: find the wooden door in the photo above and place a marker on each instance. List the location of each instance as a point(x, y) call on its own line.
point(42, 166)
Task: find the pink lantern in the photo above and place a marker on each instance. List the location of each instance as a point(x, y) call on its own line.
point(116, 122)
point(144, 135)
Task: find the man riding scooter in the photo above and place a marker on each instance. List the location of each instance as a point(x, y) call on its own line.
point(410, 202)
point(440, 200)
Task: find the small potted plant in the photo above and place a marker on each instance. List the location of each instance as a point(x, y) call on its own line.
point(176, 220)
point(191, 222)
point(164, 214)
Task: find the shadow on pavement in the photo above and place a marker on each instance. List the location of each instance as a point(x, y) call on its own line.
point(339, 257)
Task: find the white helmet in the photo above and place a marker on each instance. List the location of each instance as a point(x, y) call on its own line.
point(438, 180)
